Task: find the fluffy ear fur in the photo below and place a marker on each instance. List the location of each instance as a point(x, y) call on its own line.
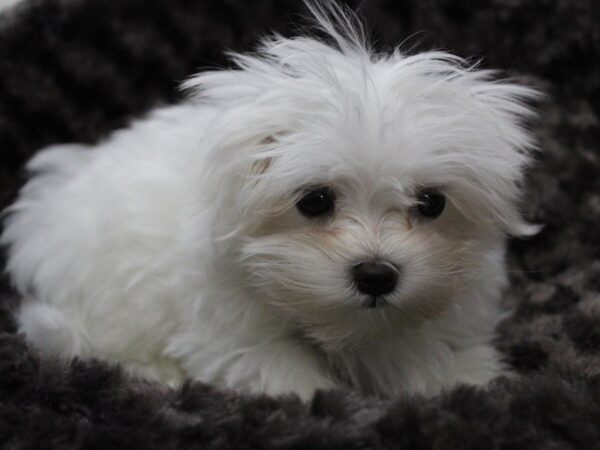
point(507, 106)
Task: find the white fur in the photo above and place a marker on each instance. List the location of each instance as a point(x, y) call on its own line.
point(174, 246)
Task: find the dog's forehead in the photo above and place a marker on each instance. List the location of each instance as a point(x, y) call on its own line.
point(355, 167)
point(378, 151)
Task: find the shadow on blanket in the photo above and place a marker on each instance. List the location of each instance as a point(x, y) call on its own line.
point(71, 70)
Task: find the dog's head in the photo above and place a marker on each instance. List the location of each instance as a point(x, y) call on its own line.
point(355, 184)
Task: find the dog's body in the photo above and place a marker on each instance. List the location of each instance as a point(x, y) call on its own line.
point(225, 239)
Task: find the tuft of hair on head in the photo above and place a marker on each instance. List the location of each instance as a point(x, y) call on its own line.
point(334, 27)
point(340, 24)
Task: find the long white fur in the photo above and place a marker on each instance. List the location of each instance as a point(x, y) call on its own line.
point(174, 247)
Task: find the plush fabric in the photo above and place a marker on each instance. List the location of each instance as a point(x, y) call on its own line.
point(72, 70)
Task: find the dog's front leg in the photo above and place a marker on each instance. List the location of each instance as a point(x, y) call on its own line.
point(280, 366)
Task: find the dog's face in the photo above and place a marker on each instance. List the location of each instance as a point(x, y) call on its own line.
point(356, 186)
point(363, 234)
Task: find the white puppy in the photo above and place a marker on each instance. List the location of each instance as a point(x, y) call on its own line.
point(319, 216)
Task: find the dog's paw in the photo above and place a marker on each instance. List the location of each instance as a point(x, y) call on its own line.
point(304, 385)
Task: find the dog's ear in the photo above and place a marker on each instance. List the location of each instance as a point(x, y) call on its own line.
point(241, 157)
point(489, 143)
point(510, 108)
point(507, 112)
point(261, 165)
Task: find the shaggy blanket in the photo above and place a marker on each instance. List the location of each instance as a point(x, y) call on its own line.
point(72, 70)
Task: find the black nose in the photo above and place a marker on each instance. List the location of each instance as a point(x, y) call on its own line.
point(375, 278)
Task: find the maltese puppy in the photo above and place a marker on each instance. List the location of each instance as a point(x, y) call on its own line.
point(319, 216)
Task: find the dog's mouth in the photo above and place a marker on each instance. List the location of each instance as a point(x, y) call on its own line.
point(375, 302)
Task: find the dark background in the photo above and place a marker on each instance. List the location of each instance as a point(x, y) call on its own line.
point(72, 70)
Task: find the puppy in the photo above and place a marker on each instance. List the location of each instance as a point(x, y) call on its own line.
point(319, 216)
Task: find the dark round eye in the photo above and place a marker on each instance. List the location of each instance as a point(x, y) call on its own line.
point(316, 202)
point(431, 203)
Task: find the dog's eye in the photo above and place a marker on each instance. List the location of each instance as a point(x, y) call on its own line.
point(431, 203)
point(316, 202)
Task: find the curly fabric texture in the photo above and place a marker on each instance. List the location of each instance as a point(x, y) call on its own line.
point(72, 70)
